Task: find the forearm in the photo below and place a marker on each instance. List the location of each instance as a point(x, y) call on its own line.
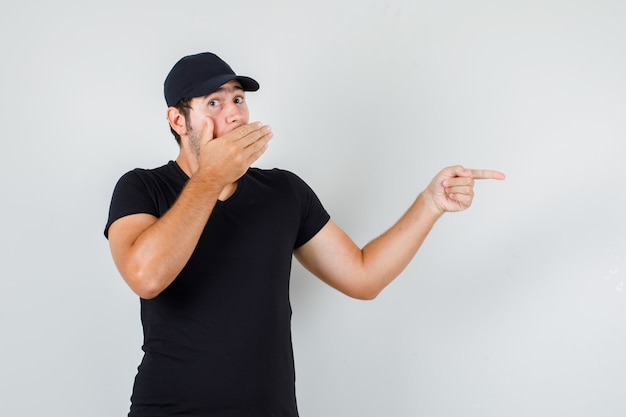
point(385, 257)
point(155, 258)
point(362, 273)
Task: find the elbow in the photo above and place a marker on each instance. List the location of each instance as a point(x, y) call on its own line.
point(359, 286)
point(365, 297)
point(369, 296)
point(146, 293)
point(365, 292)
point(143, 283)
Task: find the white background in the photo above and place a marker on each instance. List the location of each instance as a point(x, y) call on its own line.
point(516, 307)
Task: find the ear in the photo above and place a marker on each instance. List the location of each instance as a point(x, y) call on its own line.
point(177, 121)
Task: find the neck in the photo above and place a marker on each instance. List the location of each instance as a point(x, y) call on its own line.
point(189, 164)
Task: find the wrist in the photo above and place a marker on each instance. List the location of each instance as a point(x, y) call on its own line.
point(205, 184)
point(429, 207)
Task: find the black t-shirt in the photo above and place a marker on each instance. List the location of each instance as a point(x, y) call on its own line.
point(217, 341)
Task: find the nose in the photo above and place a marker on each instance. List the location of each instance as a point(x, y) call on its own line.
point(234, 114)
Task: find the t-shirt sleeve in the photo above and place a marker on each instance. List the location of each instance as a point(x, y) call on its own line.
point(313, 215)
point(130, 196)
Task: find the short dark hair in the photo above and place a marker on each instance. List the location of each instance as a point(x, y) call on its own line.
point(183, 106)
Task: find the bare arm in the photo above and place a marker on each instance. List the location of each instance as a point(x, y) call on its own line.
point(363, 273)
point(151, 252)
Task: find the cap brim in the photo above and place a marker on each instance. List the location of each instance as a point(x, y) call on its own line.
point(211, 85)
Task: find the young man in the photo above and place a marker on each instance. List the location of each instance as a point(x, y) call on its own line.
point(206, 242)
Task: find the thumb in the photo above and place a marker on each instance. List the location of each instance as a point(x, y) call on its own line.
point(207, 133)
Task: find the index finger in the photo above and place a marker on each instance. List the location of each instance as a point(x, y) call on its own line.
point(244, 130)
point(487, 174)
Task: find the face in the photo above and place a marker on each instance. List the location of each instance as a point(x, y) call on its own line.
point(226, 108)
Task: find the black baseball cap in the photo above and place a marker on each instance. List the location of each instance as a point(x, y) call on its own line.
point(199, 75)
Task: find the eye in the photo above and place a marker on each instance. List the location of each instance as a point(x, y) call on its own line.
point(238, 100)
point(214, 103)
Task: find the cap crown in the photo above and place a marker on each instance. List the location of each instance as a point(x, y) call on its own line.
point(201, 74)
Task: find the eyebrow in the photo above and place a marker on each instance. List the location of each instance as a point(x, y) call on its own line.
point(223, 89)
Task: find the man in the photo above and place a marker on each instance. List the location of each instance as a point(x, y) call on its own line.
point(206, 242)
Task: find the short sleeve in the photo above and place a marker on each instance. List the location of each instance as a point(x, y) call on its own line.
point(130, 196)
point(313, 215)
